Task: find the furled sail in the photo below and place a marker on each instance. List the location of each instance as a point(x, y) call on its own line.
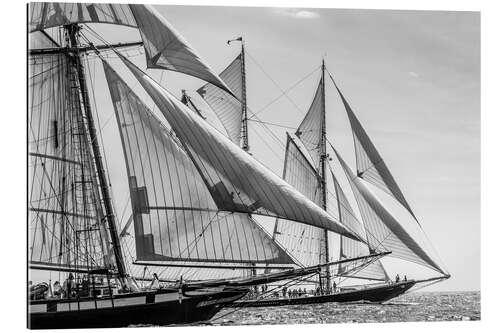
point(64, 204)
point(226, 107)
point(382, 228)
point(302, 241)
point(175, 217)
point(165, 47)
point(370, 165)
point(350, 248)
point(237, 182)
point(310, 130)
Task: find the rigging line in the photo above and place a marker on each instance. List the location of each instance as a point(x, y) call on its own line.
point(284, 92)
point(272, 124)
point(290, 283)
point(275, 83)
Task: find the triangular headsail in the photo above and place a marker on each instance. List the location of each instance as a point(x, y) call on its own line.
point(350, 248)
point(237, 182)
point(310, 130)
point(382, 228)
point(370, 165)
point(175, 217)
point(302, 241)
point(165, 47)
point(227, 108)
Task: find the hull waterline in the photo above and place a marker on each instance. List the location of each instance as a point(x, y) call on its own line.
point(376, 294)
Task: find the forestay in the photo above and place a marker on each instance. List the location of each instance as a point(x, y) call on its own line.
point(165, 47)
point(353, 249)
point(175, 217)
point(237, 182)
point(370, 165)
point(226, 107)
point(310, 130)
point(382, 228)
point(63, 203)
point(302, 241)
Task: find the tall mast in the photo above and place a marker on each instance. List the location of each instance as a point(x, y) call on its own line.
point(244, 122)
point(324, 251)
point(72, 31)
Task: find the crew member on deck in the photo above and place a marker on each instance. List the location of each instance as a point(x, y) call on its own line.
point(397, 278)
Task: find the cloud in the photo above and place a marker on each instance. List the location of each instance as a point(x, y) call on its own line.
point(297, 13)
point(413, 74)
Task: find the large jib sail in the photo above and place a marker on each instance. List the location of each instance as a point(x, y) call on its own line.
point(175, 216)
point(302, 241)
point(64, 203)
point(383, 230)
point(310, 130)
point(370, 165)
point(165, 47)
point(227, 108)
point(352, 249)
point(237, 182)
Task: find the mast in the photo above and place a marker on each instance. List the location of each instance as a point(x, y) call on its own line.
point(324, 250)
point(72, 31)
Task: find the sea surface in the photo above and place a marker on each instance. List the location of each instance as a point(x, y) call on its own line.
point(418, 306)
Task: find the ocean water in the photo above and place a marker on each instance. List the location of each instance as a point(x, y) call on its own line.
point(418, 306)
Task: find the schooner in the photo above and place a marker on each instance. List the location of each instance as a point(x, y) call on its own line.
point(193, 190)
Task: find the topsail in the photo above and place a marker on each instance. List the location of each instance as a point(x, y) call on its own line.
point(165, 47)
point(237, 182)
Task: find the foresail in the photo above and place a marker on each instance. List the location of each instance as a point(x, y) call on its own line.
point(302, 241)
point(237, 182)
point(383, 230)
point(165, 47)
point(175, 217)
point(310, 130)
point(226, 107)
point(352, 249)
point(63, 205)
point(370, 165)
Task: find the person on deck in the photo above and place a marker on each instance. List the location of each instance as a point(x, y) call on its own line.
point(334, 287)
point(69, 286)
point(397, 278)
point(57, 290)
point(405, 279)
point(284, 291)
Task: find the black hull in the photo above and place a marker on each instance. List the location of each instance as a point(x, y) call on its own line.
point(376, 294)
point(194, 308)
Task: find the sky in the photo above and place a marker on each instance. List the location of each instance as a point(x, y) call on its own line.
point(411, 77)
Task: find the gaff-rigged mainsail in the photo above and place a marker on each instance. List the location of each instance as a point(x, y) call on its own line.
point(237, 182)
point(302, 241)
point(165, 47)
point(370, 165)
point(227, 108)
point(63, 202)
point(382, 228)
point(175, 217)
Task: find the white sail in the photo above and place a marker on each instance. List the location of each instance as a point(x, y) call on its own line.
point(302, 241)
point(370, 165)
point(238, 182)
point(165, 47)
point(310, 130)
point(383, 230)
point(353, 249)
point(227, 107)
point(175, 217)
